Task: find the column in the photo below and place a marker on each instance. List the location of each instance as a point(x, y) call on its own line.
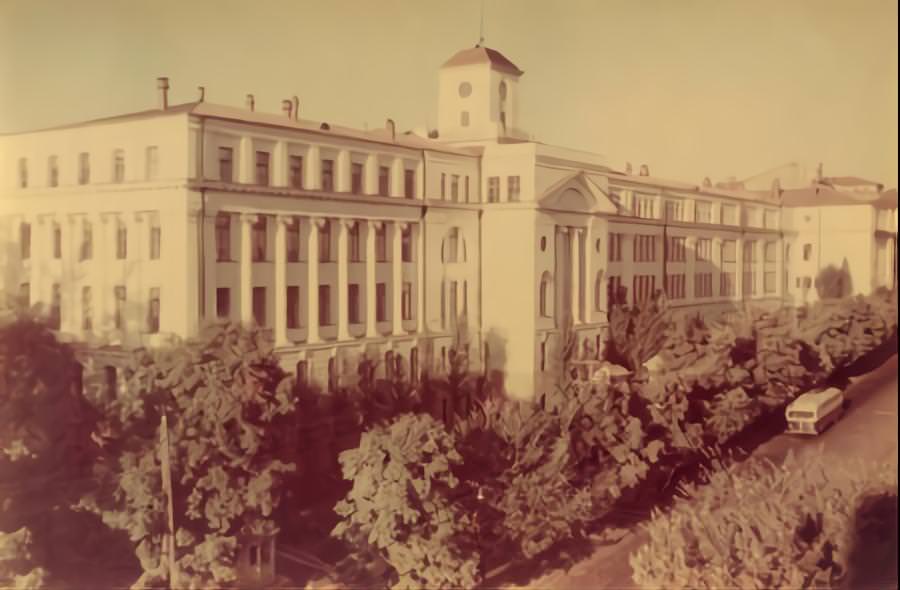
point(280, 164)
point(312, 281)
point(246, 162)
point(342, 296)
point(590, 282)
point(396, 182)
point(690, 247)
point(342, 172)
point(716, 258)
point(759, 251)
point(371, 327)
point(397, 276)
point(246, 269)
point(370, 175)
point(280, 323)
point(312, 173)
point(420, 278)
point(575, 259)
point(210, 262)
point(739, 270)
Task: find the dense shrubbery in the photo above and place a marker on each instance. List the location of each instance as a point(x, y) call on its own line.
point(758, 525)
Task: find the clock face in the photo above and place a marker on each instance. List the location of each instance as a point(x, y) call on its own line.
point(465, 89)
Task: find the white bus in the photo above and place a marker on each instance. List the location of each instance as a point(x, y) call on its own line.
point(814, 411)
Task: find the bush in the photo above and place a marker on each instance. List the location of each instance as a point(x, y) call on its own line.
point(637, 334)
point(758, 525)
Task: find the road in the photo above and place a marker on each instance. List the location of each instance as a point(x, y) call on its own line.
point(868, 429)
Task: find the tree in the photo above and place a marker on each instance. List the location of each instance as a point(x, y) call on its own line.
point(637, 334)
point(230, 410)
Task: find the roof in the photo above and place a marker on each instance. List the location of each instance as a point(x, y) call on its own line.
point(813, 399)
point(821, 195)
point(675, 185)
point(849, 181)
point(483, 55)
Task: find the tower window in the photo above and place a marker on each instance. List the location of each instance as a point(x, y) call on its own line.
point(464, 118)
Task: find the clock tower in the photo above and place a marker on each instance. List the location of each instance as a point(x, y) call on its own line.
point(478, 97)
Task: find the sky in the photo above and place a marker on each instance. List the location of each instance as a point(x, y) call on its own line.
point(691, 88)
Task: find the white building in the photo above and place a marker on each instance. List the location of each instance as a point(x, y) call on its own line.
point(133, 229)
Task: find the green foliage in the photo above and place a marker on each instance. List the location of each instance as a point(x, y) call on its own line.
point(729, 413)
point(638, 334)
point(758, 525)
point(230, 413)
point(401, 506)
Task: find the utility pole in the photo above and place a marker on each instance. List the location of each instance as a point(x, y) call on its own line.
point(169, 543)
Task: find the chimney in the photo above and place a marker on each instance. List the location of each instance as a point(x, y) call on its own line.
point(296, 108)
point(162, 85)
point(288, 107)
point(645, 170)
point(202, 93)
point(392, 128)
point(251, 102)
point(707, 182)
point(627, 167)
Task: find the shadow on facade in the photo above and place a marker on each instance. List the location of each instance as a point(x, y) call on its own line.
point(834, 282)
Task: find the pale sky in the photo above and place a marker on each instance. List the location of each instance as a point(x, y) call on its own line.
point(691, 88)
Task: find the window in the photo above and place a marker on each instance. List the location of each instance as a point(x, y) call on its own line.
point(729, 251)
point(513, 188)
point(223, 302)
point(295, 168)
point(493, 186)
point(615, 247)
point(153, 311)
point(293, 307)
point(674, 285)
point(262, 168)
point(87, 240)
point(325, 242)
point(703, 285)
point(454, 188)
point(729, 215)
point(55, 306)
point(353, 303)
point(543, 358)
point(23, 173)
point(118, 166)
point(354, 243)
point(598, 292)
point(152, 163)
point(703, 212)
point(807, 282)
point(545, 295)
point(380, 302)
point(406, 244)
point(464, 118)
point(787, 253)
point(25, 241)
point(52, 171)
point(328, 175)
point(676, 252)
point(57, 241)
point(223, 237)
point(453, 292)
point(84, 168)
point(703, 249)
point(226, 164)
point(155, 241)
point(87, 312)
point(807, 252)
point(121, 241)
point(381, 243)
point(292, 239)
point(644, 248)
point(356, 178)
point(644, 287)
point(443, 185)
point(259, 306)
point(644, 206)
point(260, 234)
point(770, 250)
point(467, 189)
point(751, 217)
point(769, 282)
point(384, 181)
point(450, 251)
point(324, 305)
point(726, 284)
point(119, 295)
point(409, 183)
point(675, 210)
point(749, 254)
point(406, 301)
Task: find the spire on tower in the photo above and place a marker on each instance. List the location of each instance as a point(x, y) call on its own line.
point(481, 30)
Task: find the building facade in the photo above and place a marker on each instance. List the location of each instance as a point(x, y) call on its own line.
point(135, 230)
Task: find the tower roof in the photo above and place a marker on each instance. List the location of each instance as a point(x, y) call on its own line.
point(480, 55)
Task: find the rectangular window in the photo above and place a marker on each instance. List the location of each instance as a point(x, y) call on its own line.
point(292, 239)
point(454, 188)
point(293, 307)
point(23, 173)
point(729, 215)
point(223, 237)
point(676, 252)
point(328, 175)
point(118, 166)
point(615, 247)
point(259, 305)
point(155, 241)
point(356, 178)
point(674, 210)
point(84, 168)
point(52, 171)
point(262, 168)
point(57, 241)
point(226, 164)
point(409, 184)
point(644, 287)
point(121, 241)
point(467, 190)
point(325, 242)
point(223, 302)
point(443, 185)
point(726, 284)
point(703, 285)
point(770, 251)
point(406, 245)
point(380, 302)
point(807, 252)
point(381, 244)
point(353, 303)
point(152, 163)
point(729, 251)
point(87, 311)
point(674, 285)
point(324, 305)
point(87, 240)
point(384, 181)
point(453, 292)
point(406, 301)
point(153, 311)
point(493, 186)
point(703, 250)
point(513, 188)
point(703, 212)
point(295, 167)
point(644, 248)
point(354, 243)
point(55, 306)
point(769, 281)
point(644, 206)
point(119, 295)
point(25, 241)
point(452, 246)
point(260, 235)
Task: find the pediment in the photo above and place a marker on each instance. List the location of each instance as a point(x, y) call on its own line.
point(577, 193)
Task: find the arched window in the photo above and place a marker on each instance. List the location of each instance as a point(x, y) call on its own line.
point(546, 284)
